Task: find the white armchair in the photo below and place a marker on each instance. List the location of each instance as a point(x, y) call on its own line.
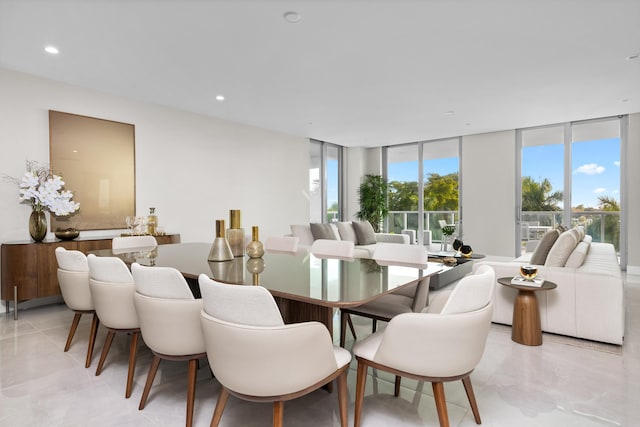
point(258, 358)
point(453, 344)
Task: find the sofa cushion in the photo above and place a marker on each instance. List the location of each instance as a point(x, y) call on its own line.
point(347, 232)
point(303, 233)
point(322, 231)
point(562, 248)
point(577, 257)
point(364, 232)
point(541, 251)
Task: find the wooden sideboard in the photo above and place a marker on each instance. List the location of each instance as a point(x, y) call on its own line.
point(29, 270)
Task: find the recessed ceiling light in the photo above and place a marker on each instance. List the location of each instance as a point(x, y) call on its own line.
point(449, 113)
point(632, 57)
point(52, 50)
point(626, 100)
point(220, 97)
point(292, 17)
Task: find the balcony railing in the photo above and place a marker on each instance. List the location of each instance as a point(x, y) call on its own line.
point(603, 226)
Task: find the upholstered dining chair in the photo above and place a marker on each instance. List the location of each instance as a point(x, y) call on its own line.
point(169, 318)
point(454, 344)
point(404, 300)
point(282, 244)
point(112, 290)
point(258, 358)
point(336, 249)
point(73, 277)
point(128, 243)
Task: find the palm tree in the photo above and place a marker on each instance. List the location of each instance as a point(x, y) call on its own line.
point(538, 196)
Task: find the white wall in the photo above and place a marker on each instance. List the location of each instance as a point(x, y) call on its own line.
point(192, 168)
point(488, 192)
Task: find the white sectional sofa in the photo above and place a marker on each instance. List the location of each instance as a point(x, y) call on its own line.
point(589, 300)
point(345, 231)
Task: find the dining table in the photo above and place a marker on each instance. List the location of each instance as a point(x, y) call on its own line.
point(305, 287)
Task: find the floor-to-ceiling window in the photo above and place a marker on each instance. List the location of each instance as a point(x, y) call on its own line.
point(325, 195)
point(423, 187)
point(571, 175)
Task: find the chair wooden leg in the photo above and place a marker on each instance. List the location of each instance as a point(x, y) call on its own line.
point(353, 330)
point(343, 399)
point(278, 413)
point(133, 350)
point(150, 377)
point(92, 339)
point(396, 388)
point(361, 381)
point(220, 404)
point(441, 404)
point(191, 390)
point(72, 330)
point(105, 350)
point(343, 328)
point(466, 381)
point(374, 326)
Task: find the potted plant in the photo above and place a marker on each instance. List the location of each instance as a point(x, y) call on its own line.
point(373, 200)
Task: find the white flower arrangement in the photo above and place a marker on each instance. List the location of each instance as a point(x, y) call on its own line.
point(44, 190)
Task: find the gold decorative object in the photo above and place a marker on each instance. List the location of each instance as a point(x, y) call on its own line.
point(37, 225)
point(67, 233)
point(255, 248)
point(466, 251)
point(152, 222)
point(528, 272)
point(235, 233)
point(220, 250)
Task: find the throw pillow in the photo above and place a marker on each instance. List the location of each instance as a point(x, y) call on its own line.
point(322, 231)
point(561, 249)
point(364, 232)
point(576, 259)
point(347, 232)
point(539, 255)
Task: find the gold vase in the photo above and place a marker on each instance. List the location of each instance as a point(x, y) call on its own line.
point(220, 249)
point(255, 248)
point(235, 233)
point(37, 225)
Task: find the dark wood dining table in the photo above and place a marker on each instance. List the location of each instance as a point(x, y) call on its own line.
point(304, 287)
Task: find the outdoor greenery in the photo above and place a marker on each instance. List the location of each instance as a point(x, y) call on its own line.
point(440, 194)
point(373, 200)
point(539, 196)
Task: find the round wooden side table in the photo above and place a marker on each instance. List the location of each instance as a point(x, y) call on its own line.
point(526, 328)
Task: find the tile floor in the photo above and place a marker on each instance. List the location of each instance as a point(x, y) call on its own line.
point(552, 385)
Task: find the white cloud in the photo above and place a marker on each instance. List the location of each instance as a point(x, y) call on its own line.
point(616, 163)
point(600, 190)
point(590, 169)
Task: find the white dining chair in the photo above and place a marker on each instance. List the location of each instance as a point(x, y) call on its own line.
point(258, 358)
point(282, 244)
point(335, 249)
point(437, 347)
point(112, 290)
point(169, 318)
point(128, 243)
point(73, 278)
point(404, 300)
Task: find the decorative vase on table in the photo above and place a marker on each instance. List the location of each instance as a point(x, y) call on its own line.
point(37, 225)
point(235, 233)
point(220, 249)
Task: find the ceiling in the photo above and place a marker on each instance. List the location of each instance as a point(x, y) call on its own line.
point(352, 72)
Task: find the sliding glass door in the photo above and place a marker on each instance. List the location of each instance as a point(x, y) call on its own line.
point(570, 175)
point(325, 177)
